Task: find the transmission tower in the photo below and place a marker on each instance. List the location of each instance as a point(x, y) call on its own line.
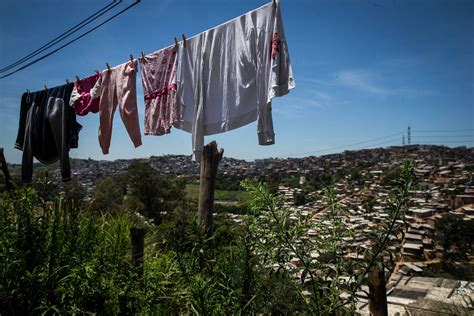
point(403, 140)
point(409, 135)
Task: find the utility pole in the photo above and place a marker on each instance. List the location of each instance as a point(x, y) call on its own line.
point(409, 135)
point(403, 140)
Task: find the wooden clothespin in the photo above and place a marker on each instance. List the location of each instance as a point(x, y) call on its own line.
point(131, 57)
point(176, 42)
point(143, 55)
point(45, 88)
point(77, 78)
point(108, 67)
point(184, 40)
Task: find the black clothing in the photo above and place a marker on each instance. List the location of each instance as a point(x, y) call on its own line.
point(47, 129)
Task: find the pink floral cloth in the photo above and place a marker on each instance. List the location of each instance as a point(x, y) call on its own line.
point(159, 89)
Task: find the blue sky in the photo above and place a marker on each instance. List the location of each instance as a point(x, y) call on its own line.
point(364, 70)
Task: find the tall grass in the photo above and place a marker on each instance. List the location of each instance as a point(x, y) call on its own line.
point(57, 258)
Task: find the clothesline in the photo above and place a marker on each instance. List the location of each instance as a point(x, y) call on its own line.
point(274, 2)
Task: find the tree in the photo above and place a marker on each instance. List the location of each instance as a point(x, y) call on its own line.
point(74, 191)
point(107, 194)
point(158, 194)
point(44, 185)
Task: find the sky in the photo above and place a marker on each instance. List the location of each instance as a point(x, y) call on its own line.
point(364, 70)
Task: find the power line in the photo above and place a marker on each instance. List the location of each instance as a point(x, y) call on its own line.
point(442, 131)
point(386, 142)
point(72, 41)
point(442, 136)
point(390, 141)
point(448, 142)
point(343, 146)
point(64, 35)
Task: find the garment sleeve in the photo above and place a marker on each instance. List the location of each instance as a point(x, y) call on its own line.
point(198, 134)
point(281, 74)
point(275, 70)
point(189, 97)
point(27, 158)
point(20, 138)
point(57, 119)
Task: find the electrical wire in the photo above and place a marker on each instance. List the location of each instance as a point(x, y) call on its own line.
point(64, 35)
point(70, 42)
point(442, 131)
point(390, 141)
point(344, 146)
point(447, 142)
point(441, 136)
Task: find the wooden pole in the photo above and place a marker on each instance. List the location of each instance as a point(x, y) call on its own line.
point(378, 291)
point(5, 170)
point(137, 236)
point(210, 159)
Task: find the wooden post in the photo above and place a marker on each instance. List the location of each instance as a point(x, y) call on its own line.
point(210, 159)
point(3, 162)
point(137, 236)
point(378, 291)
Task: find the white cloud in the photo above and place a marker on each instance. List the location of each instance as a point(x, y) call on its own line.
point(360, 80)
point(367, 81)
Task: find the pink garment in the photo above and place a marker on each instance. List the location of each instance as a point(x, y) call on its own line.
point(86, 95)
point(159, 89)
point(119, 87)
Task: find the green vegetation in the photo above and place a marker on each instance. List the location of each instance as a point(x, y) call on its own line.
point(58, 258)
point(192, 191)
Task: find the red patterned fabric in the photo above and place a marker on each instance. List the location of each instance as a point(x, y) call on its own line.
point(275, 45)
point(159, 88)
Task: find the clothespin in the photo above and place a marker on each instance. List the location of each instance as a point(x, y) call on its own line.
point(77, 78)
point(67, 81)
point(28, 91)
point(274, 3)
point(131, 57)
point(143, 55)
point(184, 40)
point(176, 42)
point(45, 88)
point(108, 67)
point(97, 72)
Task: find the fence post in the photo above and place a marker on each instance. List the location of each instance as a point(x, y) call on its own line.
point(137, 237)
point(210, 159)
point(378, 291)
point(3, 162)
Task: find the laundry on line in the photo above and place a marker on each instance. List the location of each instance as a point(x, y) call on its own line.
point(216, 81)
